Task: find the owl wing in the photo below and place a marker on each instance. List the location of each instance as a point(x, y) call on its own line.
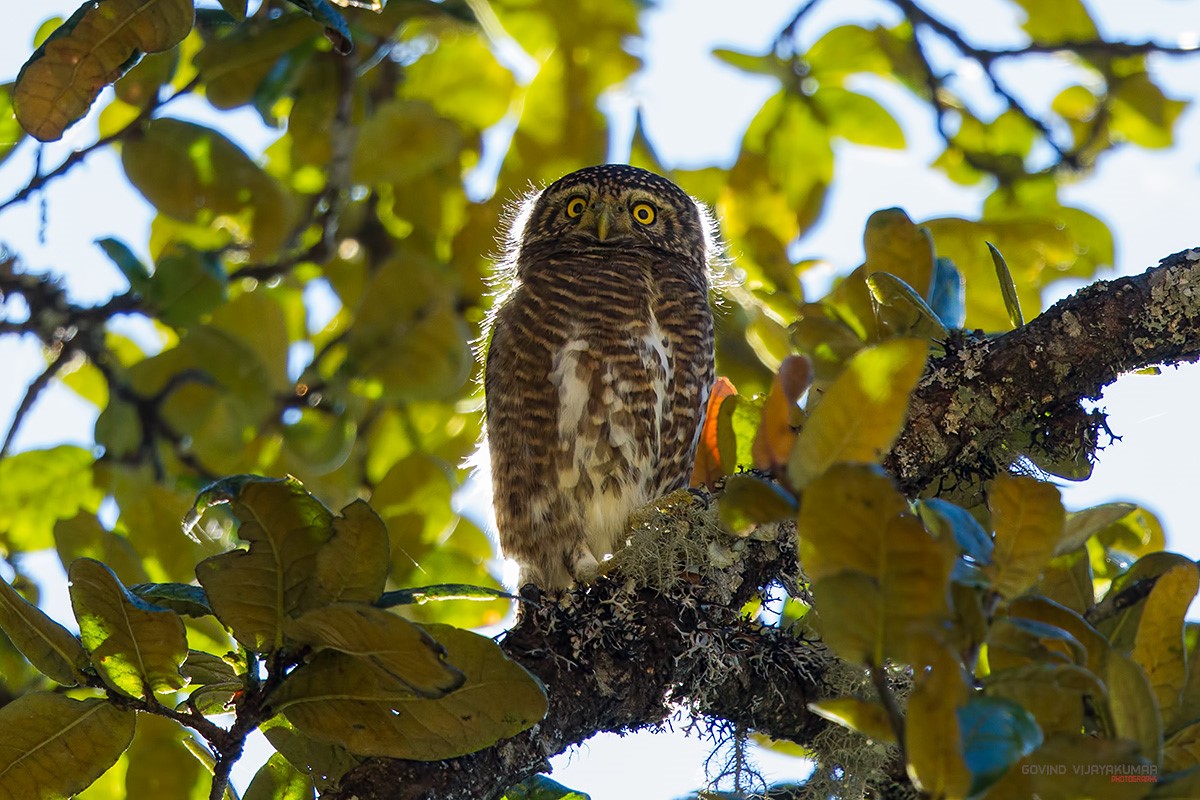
point(683, 314)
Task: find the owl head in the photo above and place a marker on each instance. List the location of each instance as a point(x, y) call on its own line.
point(610, 208)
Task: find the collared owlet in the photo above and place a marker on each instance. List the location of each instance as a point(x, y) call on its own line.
point(599, 365)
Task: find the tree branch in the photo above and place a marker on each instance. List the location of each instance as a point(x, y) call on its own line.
point(618, 658)
point(977, 405)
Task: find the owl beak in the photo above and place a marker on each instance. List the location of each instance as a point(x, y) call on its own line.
point(603, 223)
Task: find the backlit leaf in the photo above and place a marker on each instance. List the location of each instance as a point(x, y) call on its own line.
point(40, 487)
point(160, 765)
point(137, 648)
point(749, 501)
point(49, 646)
point(861, 414)
point(279, 780)
point(94, 47)
point(341, 700)
point(1008, 289)
point(52, 746)
point(394, 645)
point(196, 174)
point(254, 590)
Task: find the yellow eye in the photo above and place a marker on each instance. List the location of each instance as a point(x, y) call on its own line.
point(576, 206)
point(643, 213)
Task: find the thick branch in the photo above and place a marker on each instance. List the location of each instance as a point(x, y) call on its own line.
point(615, 658)
point(985, 396)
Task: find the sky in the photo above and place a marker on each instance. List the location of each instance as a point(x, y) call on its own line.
point(696, 110)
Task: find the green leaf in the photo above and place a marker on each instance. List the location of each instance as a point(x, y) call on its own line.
point(182, 598)
point(1159, 647)
point(1055, 21)
point(462, 80)
point(160, 764)
point(748, 502)
point(187, 285)
point(352, 566)
point(996, 733)
point(196, 174)
point(342, 700)
point(901, 311)
point(252, 591)
point(1082, 525)
point(53, 746)
point(82, 536)
point(1027, 517)
point(40, 487)
point(11, 132)
point(403, 140)
point(408, 335)
point(859, 118)
point(130, 265)
point(279, 780)
point(1142, 114)
point(94, 47)
point(394, 645)
point(137, 648)
point(1008, 289)
point(49, 646)
point(235, 64)
point(323, 763)
point(861, 414)
point(540, 787)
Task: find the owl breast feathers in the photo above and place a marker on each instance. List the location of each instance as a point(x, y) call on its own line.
point(599, 365)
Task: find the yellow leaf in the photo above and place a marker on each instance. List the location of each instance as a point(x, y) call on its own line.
point(893, 244)
point(1132, 708)
point(52, 746)
point(1158, 647)
point(1027, 517)
point(61, 80)
point(878, 576)
point(868, 718)
point(933, 738)
point(862, 413)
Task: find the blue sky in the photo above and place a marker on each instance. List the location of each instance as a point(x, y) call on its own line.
point(696, 110)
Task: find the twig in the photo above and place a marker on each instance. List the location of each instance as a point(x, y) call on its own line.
point(31, 393)
point(39, 179)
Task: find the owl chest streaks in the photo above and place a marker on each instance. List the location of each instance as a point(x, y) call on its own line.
point(611, 357)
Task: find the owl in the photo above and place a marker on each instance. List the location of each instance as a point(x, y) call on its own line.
point(599, 364)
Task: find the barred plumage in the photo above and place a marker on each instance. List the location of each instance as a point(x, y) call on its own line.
point(599, 364)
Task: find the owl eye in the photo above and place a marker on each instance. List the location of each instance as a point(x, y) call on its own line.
point(576, 206)
point(644, 213)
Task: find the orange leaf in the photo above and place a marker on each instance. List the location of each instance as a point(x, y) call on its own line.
point(781, 414)
point(708, 468)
